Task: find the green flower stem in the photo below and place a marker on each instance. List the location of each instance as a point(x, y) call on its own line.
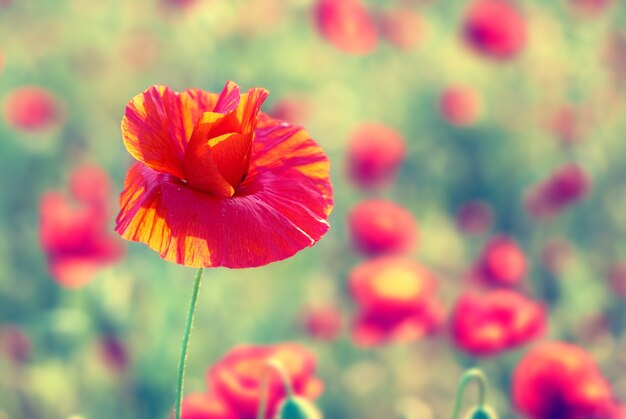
point(273, 365)
point(471, 374)
point(183, 352)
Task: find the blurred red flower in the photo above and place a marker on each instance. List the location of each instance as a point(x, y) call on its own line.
point(74, 235)
point(396, 301)
point(460, 105)
point(487, 324)
point(207, 406)
point(565, 187)
point(374, 155)
point(346, 24)
point(218, 183)
point(322, 323)
point(560, 380)
point(238, 377)
point(474, 217)
point(402, 27)
point(32, 109)
point(502, 261)
point(379, 227)
point(495, 28)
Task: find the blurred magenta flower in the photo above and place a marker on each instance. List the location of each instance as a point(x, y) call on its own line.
point(207, 406)
point(402, 27)
point(347, 25)
point(74, 233)
point(565, 187)
point(375, 153)
point(474, 217)
point(495, 28)
point(460, 105)
point(113, 353)
point(15, 345)
point(218, 183)
point(502, 261)
point(382, 227)
point(560, 380)
point(32, 109)
point(396, 300)
point(485, 324)
point(617, 278)
point(323, 323)
point(292, 110)
point(236, 381)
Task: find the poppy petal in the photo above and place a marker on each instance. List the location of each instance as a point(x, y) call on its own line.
point(267, 220)
point(158, 124)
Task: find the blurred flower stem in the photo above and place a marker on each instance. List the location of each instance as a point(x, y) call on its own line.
point(469, 375)
point(185, 345)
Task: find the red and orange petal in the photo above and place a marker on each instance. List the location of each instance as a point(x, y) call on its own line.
point(556, 379)
point(239, 376)
point(382, 227)
point(32, 109)
point(503, 262)
point(347, 25)
point(280, 208)
point(375, 153)
point(206, 406)
point(487, 324)
point(391, 285)
point(460, 105)
point(495, 28)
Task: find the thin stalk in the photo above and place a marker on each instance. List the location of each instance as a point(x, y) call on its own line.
point(185, 345)
point(471, 374)
point(273, 365)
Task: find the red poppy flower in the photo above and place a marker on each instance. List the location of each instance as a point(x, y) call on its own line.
point(402, 27)
point(502, 261)
point(560, 380)
point(460, 105)
point(378, 227)
point(474, 217)
point(487, 324)
point(396, 300)
point(564, 188)
point(375, 153)
point(495, 28)
point(74, 235)
point(219, 184)
point(346, 24)
point(206, 406)
point(238, 377)
point(322, 323)
point(32, 109)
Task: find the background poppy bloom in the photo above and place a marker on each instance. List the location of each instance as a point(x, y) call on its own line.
point(207, 406)
point(396, 301)
point(460, 105)
point(238, 377)
point(322, 323)
point(565, 187)
point(346, 24)
point(74, 235)
point(474, 217)
point(560, 380)
point(502, 261)
point(486, 324)
point(402, 27)
point(378, 227)
point(495, 28)
point(219, 184)
point(32, 109)
point(374, 155)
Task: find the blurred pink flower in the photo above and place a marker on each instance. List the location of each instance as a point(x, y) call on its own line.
point(474, 217)
point(323, 323)
point(382, 227)
point(502, 262)
point(375, 153)
point(402, 27)
point(347, 25)
point(460, 105)
point(32, 109)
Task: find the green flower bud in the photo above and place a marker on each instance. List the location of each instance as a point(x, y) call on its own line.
point(297, 408)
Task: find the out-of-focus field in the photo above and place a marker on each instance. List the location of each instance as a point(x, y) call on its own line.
point(110, 348)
